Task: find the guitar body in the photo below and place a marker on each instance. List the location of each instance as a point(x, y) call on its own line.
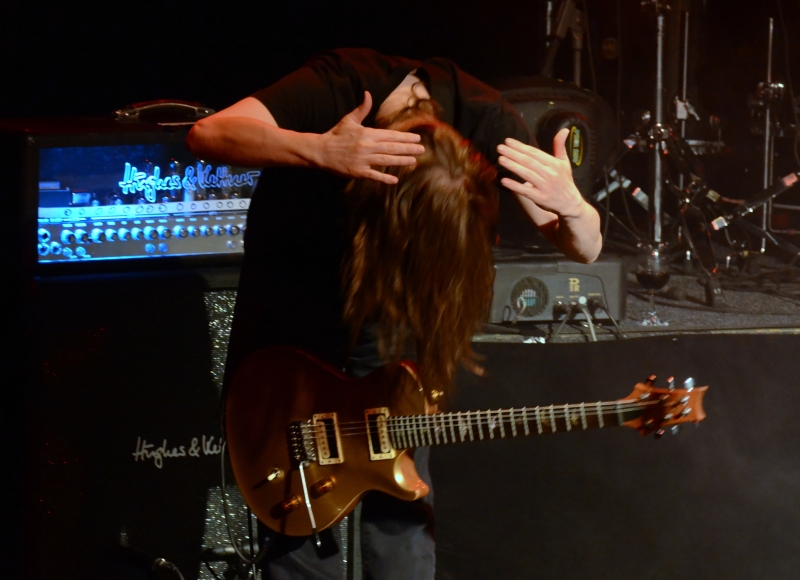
point(278, 387)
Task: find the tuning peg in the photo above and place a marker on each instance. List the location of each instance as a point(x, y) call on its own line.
point(671, 383)
point(660, 433)
point(650, 380)
point(675, 429)
point(686, 411)
point(688, 384)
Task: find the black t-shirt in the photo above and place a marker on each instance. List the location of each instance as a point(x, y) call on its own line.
point(290, 290)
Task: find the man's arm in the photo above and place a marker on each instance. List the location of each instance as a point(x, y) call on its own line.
point(551, 199)
point(246, 134)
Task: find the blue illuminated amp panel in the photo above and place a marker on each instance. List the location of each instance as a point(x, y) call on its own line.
point(114, 202)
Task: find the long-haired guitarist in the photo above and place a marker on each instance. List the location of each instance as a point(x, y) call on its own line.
point(369, 238)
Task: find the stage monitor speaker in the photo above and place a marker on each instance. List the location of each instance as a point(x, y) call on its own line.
point(548, 105)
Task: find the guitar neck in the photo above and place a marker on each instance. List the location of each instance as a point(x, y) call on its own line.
point(462, 426)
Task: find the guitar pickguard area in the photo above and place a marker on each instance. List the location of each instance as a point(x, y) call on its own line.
point(380, 446)
point(329, 439)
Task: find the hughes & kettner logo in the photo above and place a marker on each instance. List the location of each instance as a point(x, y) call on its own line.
point(202, 177)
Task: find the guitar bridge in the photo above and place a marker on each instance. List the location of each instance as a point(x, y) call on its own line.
point(378, 434)
point(301, 442)
point(329, 442)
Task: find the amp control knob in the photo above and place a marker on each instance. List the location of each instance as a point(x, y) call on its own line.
point(124, 234)
point(67, 237)
point(193, 231)
point(111, 235)
point(233, 230)
point(150, 233)
point(205, 230)
point(81, 236)
point(44, 235)
point(98, 236)
point(180, 232)
point(219, 230)
point(137, 234)
point(164, 233)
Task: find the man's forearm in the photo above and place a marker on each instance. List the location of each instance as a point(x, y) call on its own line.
point(251, 142)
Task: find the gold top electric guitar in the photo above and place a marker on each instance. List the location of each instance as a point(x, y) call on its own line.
point(306, 441)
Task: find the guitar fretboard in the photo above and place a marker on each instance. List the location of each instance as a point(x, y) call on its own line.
point(462, 426)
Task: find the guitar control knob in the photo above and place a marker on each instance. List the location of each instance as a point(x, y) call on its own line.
point(150, 233)
point(323, 486)
point(180, 232)
point(290, 504)
point(98, 236)
point(67, 237)
point(275, 475)
point(81, 236)
point(124, 234)
point(164, 233)
point(205, 230)
point(233, 230)
point(193, 231)
point(111, 235)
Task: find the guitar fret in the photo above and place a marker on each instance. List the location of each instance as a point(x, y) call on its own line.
point(500, 420)
point(480, 430)
point(415, 422)
point(452, 428)
point(567, 422)
point(393, 433)
point(583, 415)
point(469, 426)
point(600, 414)
point(489, 424)
point(461, 429)
point(525, 420)
point(444, 429)
point(553, 418)
point(406, 435)
point(436, 430)
point(620, 419)
point(513, 424)
point(428, 429)
point(538, 421)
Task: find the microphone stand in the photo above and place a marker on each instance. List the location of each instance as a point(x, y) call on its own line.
point(570, 18)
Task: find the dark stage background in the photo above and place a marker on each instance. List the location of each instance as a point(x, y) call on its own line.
point(87, 59)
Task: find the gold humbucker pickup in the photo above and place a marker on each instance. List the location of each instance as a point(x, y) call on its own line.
point(378, 434)
point(329, 442)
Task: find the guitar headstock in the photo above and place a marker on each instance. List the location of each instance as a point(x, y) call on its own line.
point(667, 407)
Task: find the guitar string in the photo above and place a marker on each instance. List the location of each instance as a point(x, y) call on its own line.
point(475, 417)
point(479, 418)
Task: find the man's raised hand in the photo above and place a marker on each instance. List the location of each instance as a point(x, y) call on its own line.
point(352, 150)
point(548, 178)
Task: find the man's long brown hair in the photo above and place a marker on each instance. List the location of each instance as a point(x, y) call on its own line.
point(420, 263)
